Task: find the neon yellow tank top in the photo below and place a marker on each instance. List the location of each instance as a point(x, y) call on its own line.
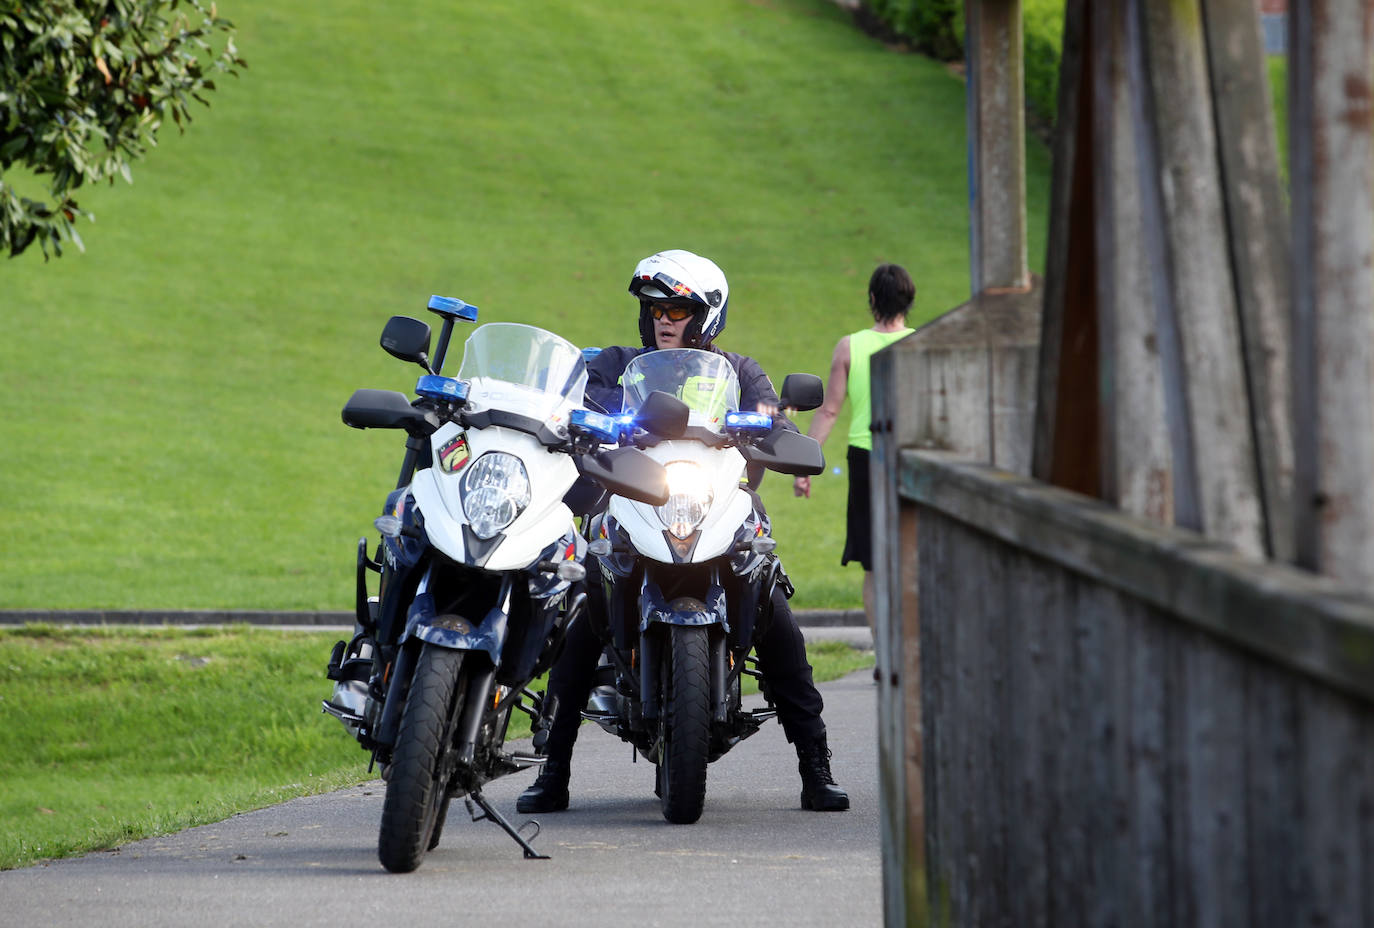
point(862, 345)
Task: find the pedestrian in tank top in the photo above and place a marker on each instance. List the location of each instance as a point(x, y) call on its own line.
point(890, 294)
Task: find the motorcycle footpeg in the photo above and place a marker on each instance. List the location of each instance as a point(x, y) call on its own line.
point(517, 761)
point(342, 713)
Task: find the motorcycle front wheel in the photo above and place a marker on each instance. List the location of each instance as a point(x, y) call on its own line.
point(417, 783)
point(686, 727)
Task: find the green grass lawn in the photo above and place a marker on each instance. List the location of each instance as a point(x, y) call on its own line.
point(173, 437)
point(112, 735)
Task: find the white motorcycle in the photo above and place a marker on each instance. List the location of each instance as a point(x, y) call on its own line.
point(689, 583)
point(477, 561)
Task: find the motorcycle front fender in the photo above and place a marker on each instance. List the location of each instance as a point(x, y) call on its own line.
point(459, 634)
point(656, 613)
point(653, 608)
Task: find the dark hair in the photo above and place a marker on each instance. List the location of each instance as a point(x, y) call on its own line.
point(890, 292)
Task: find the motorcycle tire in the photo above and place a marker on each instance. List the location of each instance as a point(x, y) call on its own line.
point(416, 789)
point(686, 726)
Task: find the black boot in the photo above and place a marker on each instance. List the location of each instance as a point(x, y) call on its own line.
point(549, 791)
point(819, 792)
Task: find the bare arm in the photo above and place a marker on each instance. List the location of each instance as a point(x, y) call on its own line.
point(836, 388)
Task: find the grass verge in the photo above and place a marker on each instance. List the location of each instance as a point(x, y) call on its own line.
point(117, 734)
point(176, 441)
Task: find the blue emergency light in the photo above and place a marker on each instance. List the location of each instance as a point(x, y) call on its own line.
point(452, 306)
point(599, 425)
point(748, 421)
point(442, 388)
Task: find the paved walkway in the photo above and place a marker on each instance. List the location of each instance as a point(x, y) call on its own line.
point(754, 858)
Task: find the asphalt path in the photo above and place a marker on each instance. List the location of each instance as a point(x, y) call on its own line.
point(754, 858)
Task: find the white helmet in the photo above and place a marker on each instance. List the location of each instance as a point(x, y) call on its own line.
point(686, 279)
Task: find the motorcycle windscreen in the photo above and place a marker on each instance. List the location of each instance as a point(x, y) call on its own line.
point(536, 360)
point(703, 380)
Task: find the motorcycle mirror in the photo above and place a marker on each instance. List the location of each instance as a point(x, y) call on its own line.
point(387, 409)
point(787, 452)
point(627, 472)
point(663, 415)
point(407, 339)
point(802, 392)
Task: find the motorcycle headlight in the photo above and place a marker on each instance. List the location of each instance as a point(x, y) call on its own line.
point(689, 498)
point(496, 489)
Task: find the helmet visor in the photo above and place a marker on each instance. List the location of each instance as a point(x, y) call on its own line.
point(660, 284)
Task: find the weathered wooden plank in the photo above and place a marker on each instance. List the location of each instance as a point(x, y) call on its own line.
point(1187, 503)
point(1208, 820)
point(1335, 769)
point(1272, 803)
point(965, 642)
point(1063, 842)
point(889, 643)
point(908, 691)
point(1198, 322)
point(988, 599)
point(1146, 733)
point(1137, 468)
point(1094, 733)
point(1257, 236)
point(1331, 80)
point(1028, 602)
point(1300, 620)
point(941, 784)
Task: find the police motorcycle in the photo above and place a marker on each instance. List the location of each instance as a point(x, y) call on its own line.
point(479, 566)
point(689, 583)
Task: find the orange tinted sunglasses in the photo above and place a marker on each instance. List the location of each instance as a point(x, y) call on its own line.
point(675, 312)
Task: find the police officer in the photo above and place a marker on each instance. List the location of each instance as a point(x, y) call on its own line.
point(682, 303)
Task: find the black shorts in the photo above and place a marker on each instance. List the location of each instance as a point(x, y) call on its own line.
point(858, 540)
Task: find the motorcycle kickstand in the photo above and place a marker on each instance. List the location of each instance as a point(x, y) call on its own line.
point(491, 815)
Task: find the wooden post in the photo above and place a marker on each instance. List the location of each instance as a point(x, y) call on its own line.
point(902, 813)
point(1331, 166)
point(997, 145)
point(1216, 486)
point(1137, 468)
point(1257, 223)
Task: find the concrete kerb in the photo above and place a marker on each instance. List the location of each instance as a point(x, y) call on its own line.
point(807, 618)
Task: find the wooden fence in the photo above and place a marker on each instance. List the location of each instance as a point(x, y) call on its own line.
point(1126, 724)
point(1124, 516)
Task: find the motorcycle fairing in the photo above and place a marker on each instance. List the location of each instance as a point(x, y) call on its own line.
point(406, 549)
point(731, 507)
point(519, 544)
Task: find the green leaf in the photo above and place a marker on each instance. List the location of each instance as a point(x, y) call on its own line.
point(85, 87)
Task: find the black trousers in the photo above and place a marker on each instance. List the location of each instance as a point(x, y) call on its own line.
point(781, 651)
